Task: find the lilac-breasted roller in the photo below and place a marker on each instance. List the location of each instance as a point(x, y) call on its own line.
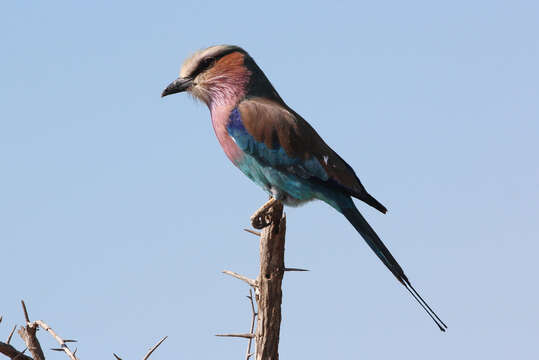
point(275, 147)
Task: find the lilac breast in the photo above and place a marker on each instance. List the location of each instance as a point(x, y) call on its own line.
point(220, 117)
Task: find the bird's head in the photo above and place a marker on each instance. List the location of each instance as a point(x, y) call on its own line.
point(219, 75)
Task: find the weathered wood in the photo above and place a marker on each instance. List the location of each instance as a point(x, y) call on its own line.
point(12, 353)
point(28, 334)
point(269, 293)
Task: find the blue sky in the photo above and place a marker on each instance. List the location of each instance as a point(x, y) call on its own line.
point(118, 209)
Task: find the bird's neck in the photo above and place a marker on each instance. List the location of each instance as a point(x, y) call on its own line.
point(225, 92)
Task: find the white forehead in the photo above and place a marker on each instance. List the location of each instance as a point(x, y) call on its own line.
point(191, 63)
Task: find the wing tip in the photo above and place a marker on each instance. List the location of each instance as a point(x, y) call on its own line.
point(370, 200)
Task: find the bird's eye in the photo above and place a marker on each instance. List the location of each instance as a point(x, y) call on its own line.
point(206, 63)
point(203, 65)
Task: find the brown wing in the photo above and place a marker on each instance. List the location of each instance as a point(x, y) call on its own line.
point(277, 126)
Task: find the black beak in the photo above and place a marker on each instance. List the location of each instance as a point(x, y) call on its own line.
point(177, 86)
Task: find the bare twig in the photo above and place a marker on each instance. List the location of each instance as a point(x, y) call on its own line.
point(246, 336)
point(62, 343)
point(249, 281)
point(252, 232)
point(25, 311)
point(153, 348)
point(11, 334)
point(248, 354)
point(116, 356)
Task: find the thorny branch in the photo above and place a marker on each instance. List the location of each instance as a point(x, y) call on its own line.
point(8, 350)
point(271, 220)
point(12, 353)
point(250, 335)
point(248, 354)
point(62, 342)
point(28, 334)
point(152, 349)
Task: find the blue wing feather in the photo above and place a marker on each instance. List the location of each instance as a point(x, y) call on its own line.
point(275, 157)
point(287, 154)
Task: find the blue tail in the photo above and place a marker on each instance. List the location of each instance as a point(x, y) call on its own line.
point(366, 231)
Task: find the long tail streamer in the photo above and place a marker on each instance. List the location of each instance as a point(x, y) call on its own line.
point(376, 244)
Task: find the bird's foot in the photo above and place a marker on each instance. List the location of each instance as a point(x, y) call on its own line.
point(260, 218)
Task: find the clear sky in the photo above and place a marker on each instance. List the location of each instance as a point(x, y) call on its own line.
point(118, 209)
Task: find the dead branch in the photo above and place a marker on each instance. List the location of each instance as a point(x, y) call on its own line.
point(272, 241)
point(8, 350)
point(12, 353)
point(271, 220)
point(248, 353)
point(62, 342)
point(28, 335)
point(250, 335)
point(11, 334)
point(251, 282)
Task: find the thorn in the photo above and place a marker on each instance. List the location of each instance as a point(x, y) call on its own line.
point(154, 347)
point(252, 232)
point(57, 349)
point(70, 340)
point(294, 269)
point(2, 317)
point(245, 336)
point(116, 356)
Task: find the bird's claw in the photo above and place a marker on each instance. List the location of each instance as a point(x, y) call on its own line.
point(260, 222)
point(261, 218)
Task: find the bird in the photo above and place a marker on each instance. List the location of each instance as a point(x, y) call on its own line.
point(275, 147)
